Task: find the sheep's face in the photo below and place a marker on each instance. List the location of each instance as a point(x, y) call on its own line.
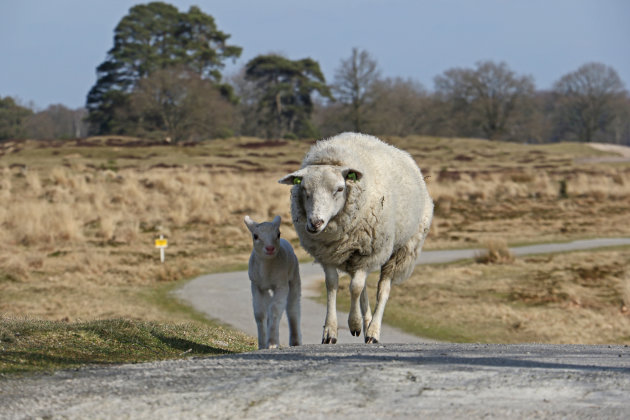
point(323, 191)
point(266, 236)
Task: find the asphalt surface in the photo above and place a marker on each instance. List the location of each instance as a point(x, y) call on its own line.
point(352, 381)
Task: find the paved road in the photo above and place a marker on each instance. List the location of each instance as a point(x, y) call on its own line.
point(351, 381)
point(227, 297)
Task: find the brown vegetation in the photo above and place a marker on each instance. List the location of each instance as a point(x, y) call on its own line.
point(78, 219)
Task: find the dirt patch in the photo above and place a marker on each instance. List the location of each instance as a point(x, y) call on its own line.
point(262, 144)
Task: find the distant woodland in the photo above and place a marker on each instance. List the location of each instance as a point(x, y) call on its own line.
point(163, 80)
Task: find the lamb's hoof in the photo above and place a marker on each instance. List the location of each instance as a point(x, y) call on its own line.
point(355, 333)
point(371, 340)
point(329, 340)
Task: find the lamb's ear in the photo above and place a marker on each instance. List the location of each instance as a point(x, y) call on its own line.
point(250, 223)
point(276, 221)
point(351, 174)
point(293, 179)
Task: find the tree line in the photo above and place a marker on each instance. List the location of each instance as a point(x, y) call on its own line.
point(163, 79)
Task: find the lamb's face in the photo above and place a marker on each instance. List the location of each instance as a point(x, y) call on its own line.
point(265, 236)
point(323, 190)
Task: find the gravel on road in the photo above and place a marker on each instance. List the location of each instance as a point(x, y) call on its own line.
point(350, 381)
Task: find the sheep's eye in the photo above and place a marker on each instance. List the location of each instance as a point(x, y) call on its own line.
point(352, 176)
point(339, 189)
point(297, 180)
point(278, 235)
point(255, 237)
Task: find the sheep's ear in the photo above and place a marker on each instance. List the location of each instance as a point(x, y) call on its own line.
point(293, 179)
point(250, 223)
point(276, 221)
point(351, 174)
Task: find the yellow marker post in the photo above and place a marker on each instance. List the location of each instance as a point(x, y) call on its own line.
point(161, 243)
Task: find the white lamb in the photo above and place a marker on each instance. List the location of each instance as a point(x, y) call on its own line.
point(359, 204)
point(276, 287)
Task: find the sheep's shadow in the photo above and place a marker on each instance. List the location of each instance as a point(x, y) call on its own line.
point(417, 355)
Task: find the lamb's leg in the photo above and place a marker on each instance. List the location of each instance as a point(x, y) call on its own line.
point(260, 300)
point(373, 333)
point(357, 286)
point(293, 310)
point(276, 309)
point(365, 310)
point(330, 326)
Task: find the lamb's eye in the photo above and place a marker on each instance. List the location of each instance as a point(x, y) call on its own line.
point(339, 189)
point(352, 176)
point(297, 180)
point(278, 235)
point(255, 237)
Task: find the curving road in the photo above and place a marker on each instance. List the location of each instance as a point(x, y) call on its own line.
point(227, 297)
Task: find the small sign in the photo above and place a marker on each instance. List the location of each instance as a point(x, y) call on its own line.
point(161, 243)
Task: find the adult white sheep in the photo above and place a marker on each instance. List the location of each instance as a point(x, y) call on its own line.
point(275, 278)
point(359, 204)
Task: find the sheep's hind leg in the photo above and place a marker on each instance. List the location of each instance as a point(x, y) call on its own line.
point(357, 287)
point(373, 333)
point(293, 310)
point(330, 326)
point(365, 310)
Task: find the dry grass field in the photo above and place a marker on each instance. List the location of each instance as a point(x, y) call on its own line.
point(78, 220)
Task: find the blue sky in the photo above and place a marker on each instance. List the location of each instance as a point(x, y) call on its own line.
point(49, 49)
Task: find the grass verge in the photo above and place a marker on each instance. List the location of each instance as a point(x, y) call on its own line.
point(28, 345)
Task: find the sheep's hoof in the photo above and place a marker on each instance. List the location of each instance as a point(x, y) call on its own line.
point(371, 340)
point(356, 333)
point(329, 340)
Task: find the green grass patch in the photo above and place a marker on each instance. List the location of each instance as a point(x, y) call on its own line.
point(28, 345)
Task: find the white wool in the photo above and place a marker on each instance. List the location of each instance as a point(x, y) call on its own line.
point(380, 220)
point(275, 281)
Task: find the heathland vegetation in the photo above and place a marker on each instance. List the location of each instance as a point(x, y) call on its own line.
point(79, 219)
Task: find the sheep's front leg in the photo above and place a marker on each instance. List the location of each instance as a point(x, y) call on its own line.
point(357, 286)
point(276, 309)
point(330, 326)
point(373, 332)
point(260, 300)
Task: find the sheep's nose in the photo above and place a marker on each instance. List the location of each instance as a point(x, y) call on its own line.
point(313, 225)
point(269, 249)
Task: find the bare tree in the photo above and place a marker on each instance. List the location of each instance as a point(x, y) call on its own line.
point(588, 101)
point(57, 122)
point(178, 104)
point(354, 80)
point(400, 107)
point(483, 98)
